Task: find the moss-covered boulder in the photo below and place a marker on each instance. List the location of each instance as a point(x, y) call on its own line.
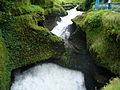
point(23, 38)
point(102, 31)
point(103, 37)
point(27, 42)
point(68, 6)
point(4, 72)
point(23, 42)
point(85, 5)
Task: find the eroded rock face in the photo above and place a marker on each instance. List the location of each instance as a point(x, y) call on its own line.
point(22, 41)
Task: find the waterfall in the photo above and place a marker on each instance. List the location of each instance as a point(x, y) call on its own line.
point(51, 76)
point(62, 28)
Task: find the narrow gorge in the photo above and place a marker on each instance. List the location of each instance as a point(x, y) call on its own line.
point(49, 45)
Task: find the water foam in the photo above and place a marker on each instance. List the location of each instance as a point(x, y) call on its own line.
point(49, 77)
point(61, 30)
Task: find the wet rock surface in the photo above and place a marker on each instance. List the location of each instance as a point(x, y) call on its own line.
point(81, 59)
point(51, 22)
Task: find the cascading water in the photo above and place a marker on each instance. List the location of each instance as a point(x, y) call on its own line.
point(62, 29)
point(51, 76)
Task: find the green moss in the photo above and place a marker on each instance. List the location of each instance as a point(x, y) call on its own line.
point(17, 8)
point(66, 1)
point(115, 0)
point(23, 9)
point(57, 10)
point(23, 39)
point(103, 37)
point(27, 42)
point(4, 72)
point(43, 3)
point(114, 85)
point(85, 5)
point(68, 6)
point(65, 60)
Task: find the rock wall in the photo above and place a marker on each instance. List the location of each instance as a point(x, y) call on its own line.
point(103, 37)
point(102, 30)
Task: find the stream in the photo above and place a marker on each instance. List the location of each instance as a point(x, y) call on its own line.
point(62, 29)
point(49, 76)
point(80, 74)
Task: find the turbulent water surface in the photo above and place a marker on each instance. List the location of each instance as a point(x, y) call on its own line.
point(62, 29)
point(51, 76)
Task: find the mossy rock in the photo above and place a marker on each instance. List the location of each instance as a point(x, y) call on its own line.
point(23, 39)
point(113, 85)
point(43, 3)
point(103, 37)
point(4, 72)
point(57, 10)
point(24, 43)
point(68, 6)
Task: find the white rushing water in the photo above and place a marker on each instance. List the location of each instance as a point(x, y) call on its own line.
point(61, 30)
point(49, 77)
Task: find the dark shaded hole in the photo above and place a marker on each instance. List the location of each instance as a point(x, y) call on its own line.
point(40, 23)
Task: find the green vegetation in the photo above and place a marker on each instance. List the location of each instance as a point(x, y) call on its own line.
point(85, 5)
point(67, 1)
point(23, 38)
point(25, 41)
point(114, 85)
point(102, 32)
point(115, 0)
point(68, 4)
point(56, 10)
